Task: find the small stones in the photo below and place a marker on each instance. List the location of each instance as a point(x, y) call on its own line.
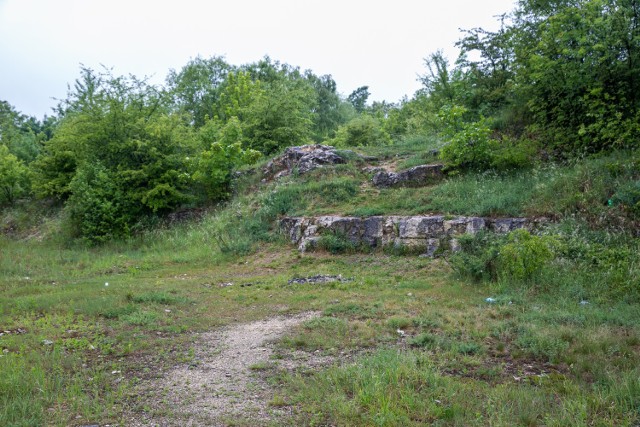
point(320, 278)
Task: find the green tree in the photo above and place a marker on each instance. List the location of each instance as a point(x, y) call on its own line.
point(196, 88)
point(119, 155)
point(14, 181)
point(358, 98)
point(361, 131)
point(23, 135)
point(223, 154)
point(329, 110)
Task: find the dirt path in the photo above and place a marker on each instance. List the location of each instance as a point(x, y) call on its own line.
point(222, 387)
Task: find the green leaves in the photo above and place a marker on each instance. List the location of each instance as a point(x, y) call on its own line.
point(14, 180)
point(469, 144)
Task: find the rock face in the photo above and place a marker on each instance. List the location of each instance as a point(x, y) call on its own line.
point(414, 177)
point(418, 232)
point(303, 159)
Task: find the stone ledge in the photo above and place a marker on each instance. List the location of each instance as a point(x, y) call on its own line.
point(398, 231)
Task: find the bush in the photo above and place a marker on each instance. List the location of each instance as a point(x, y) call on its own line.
point(469, 144)
point(98, 208)
point(477, 259)
point(336, 243)
point(628, 195)
point(510, 154)
point(518, 257)
point(522, 258)
point(13, 177)
point(361, 131)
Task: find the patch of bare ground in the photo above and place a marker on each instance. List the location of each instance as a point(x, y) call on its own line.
point(223, 384)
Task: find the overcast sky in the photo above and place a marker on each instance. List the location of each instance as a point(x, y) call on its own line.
point(374, 43)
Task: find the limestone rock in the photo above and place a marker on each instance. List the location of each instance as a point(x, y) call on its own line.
point(414, 177)
point(304, 158)
point(429, 231)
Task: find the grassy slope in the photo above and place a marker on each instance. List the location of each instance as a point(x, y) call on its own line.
point(535, 357)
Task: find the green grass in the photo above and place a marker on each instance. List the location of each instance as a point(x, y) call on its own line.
point(536, 356)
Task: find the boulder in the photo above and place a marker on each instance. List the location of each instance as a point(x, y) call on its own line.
point(303, 159)
point(414, 177)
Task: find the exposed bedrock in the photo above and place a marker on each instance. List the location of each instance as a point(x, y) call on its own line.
point(427, 232)
point(414, 177)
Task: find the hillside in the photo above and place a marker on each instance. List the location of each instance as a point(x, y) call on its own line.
point(246, 245)
point(169, 328)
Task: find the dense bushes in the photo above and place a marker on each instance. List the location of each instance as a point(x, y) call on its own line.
point(14, 181)
point(571, 262)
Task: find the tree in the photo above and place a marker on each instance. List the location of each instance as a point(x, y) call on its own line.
point(22, 135)
point(13, 177)
point(329, 110)
point(358, 98)
point(119, 155)
point(197, 86)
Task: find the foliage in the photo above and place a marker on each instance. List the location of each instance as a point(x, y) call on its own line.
point(516, 258)
point(14, 180)
point(522, 257)
point(118, 156)
point(329, 111)
point(225, 153)
point(196, 88)
point(23, 135)
point(361, 131)
point(98, 206)
point(470, 145)
point(358, 98)
point(628, 195)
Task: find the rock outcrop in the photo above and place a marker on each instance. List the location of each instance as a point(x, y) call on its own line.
point(303, 159)
point(414, 177)
point(426, 233)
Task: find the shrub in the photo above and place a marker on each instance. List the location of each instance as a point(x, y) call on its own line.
point(13, 177)
point(361, 131)
point(628, 195)
point(469, 144)
point(97, 206)
point(477, 259)
point(517, 257)
point(524, 255)
point(336, 243)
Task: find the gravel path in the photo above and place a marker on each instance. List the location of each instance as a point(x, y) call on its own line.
point(221, 387)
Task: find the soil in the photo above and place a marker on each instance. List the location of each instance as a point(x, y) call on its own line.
point(225, 383)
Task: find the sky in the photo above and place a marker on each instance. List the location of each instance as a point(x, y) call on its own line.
point(381, 44)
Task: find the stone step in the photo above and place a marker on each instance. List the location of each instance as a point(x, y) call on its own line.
point(398, 231)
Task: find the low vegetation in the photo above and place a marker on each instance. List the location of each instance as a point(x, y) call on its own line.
point(139, 216)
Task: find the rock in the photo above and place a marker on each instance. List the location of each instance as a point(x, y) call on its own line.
point(432, 246)
point(350, 227)
point(505, 225)
point(429, 231)
point(454, 246)
point(373, 231)
point(421, 227)
point(373, 169)
point(304, 158)
point(414, 177)
point(308, 243)
point(320, 278)
point(462, 225)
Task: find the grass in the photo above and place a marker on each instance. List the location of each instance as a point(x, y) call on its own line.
point(415, 342)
